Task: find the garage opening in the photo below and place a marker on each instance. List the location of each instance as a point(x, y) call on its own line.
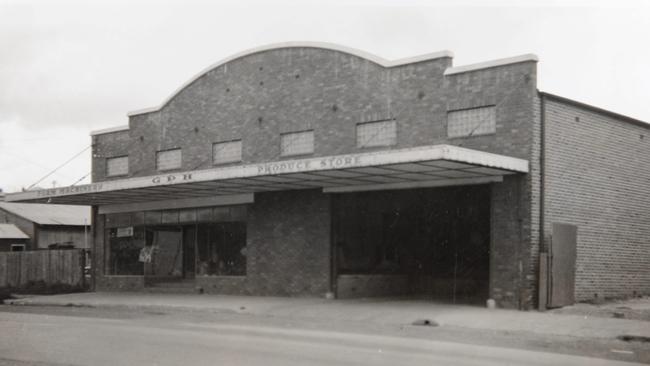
point(423, 243)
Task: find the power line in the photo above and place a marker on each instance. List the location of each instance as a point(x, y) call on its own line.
point(80, 179)
point(60, 166)
point(28, 161)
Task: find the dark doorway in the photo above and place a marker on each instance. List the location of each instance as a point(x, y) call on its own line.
point(189, 251)
point(425, 243)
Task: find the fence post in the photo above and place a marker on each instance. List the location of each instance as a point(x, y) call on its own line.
point(3, 270)
point(82, 270)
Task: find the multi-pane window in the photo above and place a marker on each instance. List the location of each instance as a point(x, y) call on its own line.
point(117, 166)
point(17, 247)
point(297, 143)
point(154, 242)
point(168, 159)
point(471, 122)
point(383, 133)
point(226, 152)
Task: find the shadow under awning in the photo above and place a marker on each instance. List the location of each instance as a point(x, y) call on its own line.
point(427, 166)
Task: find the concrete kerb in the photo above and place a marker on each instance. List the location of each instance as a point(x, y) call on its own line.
point(379, 311)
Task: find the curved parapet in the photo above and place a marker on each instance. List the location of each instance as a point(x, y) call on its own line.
point(320, 45)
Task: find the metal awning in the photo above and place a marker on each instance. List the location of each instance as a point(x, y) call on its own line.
point(428, 166)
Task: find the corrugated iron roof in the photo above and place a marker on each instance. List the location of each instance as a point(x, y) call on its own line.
point(11, 231)
point(46, 214)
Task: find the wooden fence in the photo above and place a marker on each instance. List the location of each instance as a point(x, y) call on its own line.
point(65, 266)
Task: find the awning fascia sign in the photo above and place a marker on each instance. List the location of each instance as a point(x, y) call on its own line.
point(371, 159)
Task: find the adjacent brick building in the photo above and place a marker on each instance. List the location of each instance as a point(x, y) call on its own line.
point(308, 169)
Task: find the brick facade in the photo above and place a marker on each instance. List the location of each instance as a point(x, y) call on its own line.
point(258, 97)
point(289, 244)
point(597, 178)
point(334, 92)
point(510, 248)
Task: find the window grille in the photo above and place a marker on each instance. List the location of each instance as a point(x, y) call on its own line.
point(372, 134)
point(297, 143)
point(226, 152)
point(117, 166)
point(168, 159)
point(471, 122)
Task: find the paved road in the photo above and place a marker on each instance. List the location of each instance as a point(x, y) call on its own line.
point(43, 339)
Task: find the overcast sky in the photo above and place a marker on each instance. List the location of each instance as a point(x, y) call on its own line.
point(67, 68)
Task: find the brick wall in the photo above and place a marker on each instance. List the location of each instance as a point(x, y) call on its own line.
point(289, 243)
point(260, 96)
point(597, 178)
point(509, 244)
point(108, 146)
point(533, 182)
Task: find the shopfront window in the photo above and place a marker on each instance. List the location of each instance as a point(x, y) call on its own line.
point(207, 241)
point(222, 249)
point(125, 244)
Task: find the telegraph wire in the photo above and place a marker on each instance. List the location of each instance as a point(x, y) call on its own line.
point(60, 166)
point(28, 161)
point(80, 179)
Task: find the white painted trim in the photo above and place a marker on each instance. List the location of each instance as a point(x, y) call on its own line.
point(349, 161)
point(411, 185)
point(109, 130)
point(494, 63)
point(236, 199)
point(323, 45)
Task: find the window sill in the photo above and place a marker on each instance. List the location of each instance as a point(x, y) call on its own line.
point(376, 148)
point(227, 163)
point(472, 136)
point(221, 276)
point(293, 156)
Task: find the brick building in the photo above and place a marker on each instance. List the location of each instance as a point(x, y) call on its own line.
point(306, 169)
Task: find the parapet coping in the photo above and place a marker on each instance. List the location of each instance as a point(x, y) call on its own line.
point(109, 130)
point(529, 57)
